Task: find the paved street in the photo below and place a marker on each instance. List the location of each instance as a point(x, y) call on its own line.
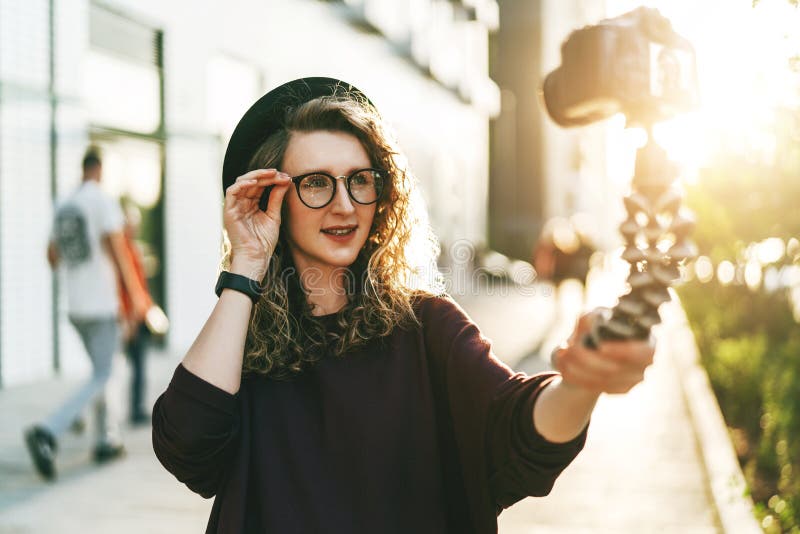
point(640, 471)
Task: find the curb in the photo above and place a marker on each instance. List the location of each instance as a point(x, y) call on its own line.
point(726, 480)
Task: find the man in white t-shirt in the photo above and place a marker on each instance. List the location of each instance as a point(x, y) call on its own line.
point(87, 240)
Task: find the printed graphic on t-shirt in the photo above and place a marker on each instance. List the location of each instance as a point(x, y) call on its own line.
point(72, 235)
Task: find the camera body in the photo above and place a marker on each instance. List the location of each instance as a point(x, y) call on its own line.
point(633, 64)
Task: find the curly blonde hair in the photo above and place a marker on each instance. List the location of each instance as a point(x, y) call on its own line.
point(396, 265)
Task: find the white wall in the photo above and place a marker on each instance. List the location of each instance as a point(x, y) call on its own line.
point(25, 288)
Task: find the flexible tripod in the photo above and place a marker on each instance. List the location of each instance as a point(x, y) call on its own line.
point(656, 241)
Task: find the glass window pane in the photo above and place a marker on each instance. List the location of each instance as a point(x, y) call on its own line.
point(120, 94)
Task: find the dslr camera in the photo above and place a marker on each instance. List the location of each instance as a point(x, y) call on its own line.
point(633, 64)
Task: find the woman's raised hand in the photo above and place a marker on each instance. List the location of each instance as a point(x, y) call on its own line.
point(253, 233)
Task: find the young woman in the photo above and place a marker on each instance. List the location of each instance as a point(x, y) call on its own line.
point(330, 390)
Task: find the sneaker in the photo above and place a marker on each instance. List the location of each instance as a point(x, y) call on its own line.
point(42, 446)
point(105, 452)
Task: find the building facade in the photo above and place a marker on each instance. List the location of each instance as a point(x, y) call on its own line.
point(159, 86)
point(538, 169)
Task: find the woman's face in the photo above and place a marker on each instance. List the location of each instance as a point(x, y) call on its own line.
point(336, 153)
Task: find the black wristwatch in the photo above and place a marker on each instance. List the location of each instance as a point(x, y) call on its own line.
point(240, 283)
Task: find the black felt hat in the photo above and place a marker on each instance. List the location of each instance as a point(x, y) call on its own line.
point(265, 117)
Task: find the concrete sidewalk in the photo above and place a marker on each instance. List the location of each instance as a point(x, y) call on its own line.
point(132, 495)
point(640, 471)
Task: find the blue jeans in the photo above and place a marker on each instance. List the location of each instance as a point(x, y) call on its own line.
point(101, 338)
point(136, 349)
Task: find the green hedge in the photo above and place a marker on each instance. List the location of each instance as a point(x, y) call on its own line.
point(748, 337)
point(750, 346)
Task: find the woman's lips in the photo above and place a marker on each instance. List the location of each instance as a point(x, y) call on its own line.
point(340, 237)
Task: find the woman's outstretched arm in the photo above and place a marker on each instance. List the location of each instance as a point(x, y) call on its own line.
point(562, 411)
point(564, 407)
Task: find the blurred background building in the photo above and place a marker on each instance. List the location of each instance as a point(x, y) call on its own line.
point(539, 170)
point(159, 86)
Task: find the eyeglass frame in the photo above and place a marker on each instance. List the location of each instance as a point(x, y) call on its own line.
point(347, 177)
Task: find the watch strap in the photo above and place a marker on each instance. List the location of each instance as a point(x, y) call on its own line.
point(237, 282)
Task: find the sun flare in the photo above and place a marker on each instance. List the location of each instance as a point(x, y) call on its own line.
point(744, 58)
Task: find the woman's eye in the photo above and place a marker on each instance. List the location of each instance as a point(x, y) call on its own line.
point(316, 182)
point(362, 178)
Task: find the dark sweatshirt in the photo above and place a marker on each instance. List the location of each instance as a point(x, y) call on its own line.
point(424, 432)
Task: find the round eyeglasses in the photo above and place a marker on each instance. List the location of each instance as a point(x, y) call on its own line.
point(317, 189)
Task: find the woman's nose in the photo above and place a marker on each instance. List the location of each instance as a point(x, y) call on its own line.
point(341, 199)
